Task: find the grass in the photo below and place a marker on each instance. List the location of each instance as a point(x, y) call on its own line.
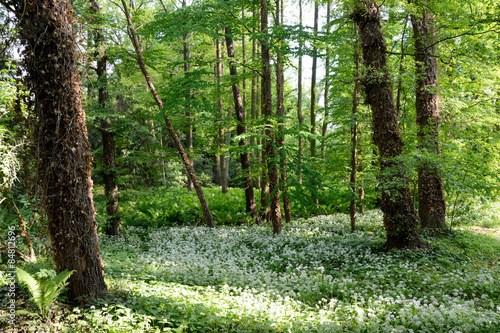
point(316, 277)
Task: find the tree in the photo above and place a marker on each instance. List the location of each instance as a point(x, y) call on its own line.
point(267, 109)
point(400, 218)
point(108, 139)
point(354, 136)
point(187, 164)
point(431, 197)
point(313, 96)
point(251, 206)
point(63, 156)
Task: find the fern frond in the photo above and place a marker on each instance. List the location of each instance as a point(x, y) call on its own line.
point(33, 285)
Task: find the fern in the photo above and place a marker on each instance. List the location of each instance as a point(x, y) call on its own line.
point(45, 291)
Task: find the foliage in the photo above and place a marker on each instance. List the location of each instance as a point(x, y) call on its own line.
point(45, 290)
point(317, 277)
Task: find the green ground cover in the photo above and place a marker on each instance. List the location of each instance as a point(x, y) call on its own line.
point(316, 277)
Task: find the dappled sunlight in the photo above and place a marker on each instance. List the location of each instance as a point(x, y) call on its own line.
point(316, 276)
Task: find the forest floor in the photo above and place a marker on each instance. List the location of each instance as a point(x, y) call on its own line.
point(316, 277)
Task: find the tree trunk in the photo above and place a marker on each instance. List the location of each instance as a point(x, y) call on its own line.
point(253, 106)
point(401, 72)
point(299, 96)
point(108, 138)
point(63, 149)
point(221, 135)
point(431, 196)
point(280, 112)
point(217, 174)
point(354, 136)
point(400, 219)
point(251, 207)
point(313, 99)
point(177, 143)
point(189, 126)
point(327, 86)
point(267, 108)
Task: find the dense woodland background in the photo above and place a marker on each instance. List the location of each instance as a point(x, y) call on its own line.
point(257, 118)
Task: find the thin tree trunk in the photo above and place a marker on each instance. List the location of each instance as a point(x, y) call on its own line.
point(299, 97)
point(280, 111)
point(267, 107)
point(354, 136)
point(253, 107)
point(189, 126)
point(187, 164)
point(251, 206)
point(361, 188)
point(216, 166)
point(63, 149)
point(400, 218)
point(400, 76)
point(313, 98)
point(108, 138)
point(431, 196)
point(327, 86)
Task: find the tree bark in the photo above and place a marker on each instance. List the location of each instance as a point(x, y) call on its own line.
point(431, 195)
point(189, 126)
point(312, 141)
point(177, 143)
point(253, 106)
point(267, 108)
point(327, 86)
point(299, 97)
point(354, 136)
point(251, 206)
point(400, 218)
point(280, 112)
point(63, 149)
point(113, 228)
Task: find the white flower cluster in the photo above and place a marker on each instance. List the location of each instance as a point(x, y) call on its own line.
point(317, 276)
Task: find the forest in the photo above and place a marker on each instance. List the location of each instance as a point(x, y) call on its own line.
point(249, 166)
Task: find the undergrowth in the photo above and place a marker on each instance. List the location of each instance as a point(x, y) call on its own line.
point(317, 277)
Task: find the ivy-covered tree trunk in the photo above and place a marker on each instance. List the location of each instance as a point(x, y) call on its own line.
point(400, 218)
point(431, 196)
point(108, 136)
point(62, 147)
point(251, 206)
point(267, 108)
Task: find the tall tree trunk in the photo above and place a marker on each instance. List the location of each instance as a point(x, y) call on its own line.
point(187, 164)
point(401, 72)
point(63, 149)
point(216, 166)
point(189, 126)
point(354, 136)
point(108, 137)
point(254, 103)
point(431, 197)
point(299, 96)
point(267, 107)
point(251, 206)
point(361, 187)
point(400, 218)
point(327, 86)
point(313, 99)
point(280, 112)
